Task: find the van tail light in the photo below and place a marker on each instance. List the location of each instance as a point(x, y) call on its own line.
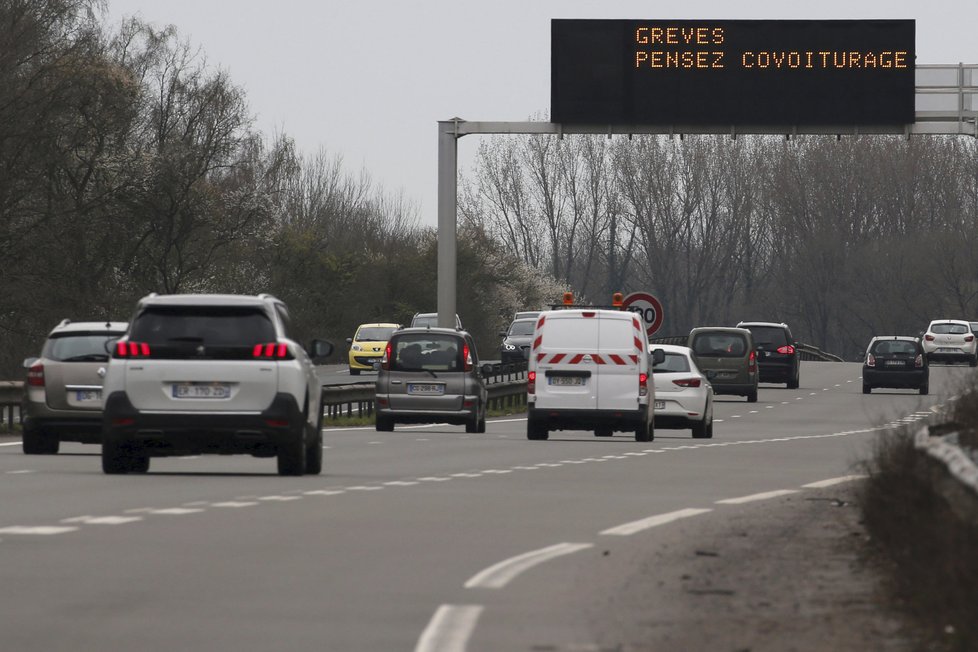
point(643, 384)
point(687, 382)
point(531, 382)
point(131, 349)
point(752, 362)
point(35, 376)
point(272, 351)
point(919, 360)
point(385, 362)
point(787, 349)
point(871, 360)
point(929, 338)
point(467, 357)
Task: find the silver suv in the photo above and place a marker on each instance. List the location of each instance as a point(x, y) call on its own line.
point(63, 392)
point(431, 375)
point(213, 373)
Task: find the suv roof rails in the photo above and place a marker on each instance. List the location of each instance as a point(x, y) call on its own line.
point(266, 295)
point(64, 322)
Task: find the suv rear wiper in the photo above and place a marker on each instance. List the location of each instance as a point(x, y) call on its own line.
point(88, 357)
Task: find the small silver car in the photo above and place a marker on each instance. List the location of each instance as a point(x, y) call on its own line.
point(63, 392)
point(431, 375)
point(683, 395)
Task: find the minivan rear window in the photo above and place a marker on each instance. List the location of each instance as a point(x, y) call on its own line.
point(720, 345)
point(224, 332)
point(78, 347)
point(426, 352)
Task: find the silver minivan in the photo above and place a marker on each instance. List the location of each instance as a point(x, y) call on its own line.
point(431, 375)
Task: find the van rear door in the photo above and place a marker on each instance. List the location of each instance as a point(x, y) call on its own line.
point(618, 358)
point(566, 370)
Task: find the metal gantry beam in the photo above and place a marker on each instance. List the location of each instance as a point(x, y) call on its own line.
point(946, 101)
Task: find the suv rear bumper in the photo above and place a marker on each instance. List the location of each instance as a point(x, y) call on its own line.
point(563, 419)
point(164, 434)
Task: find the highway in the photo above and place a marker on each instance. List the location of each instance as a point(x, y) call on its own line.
point(424, 539)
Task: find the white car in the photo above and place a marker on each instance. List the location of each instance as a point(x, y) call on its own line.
point(950, 340)
point(683, 395)
point(212, 373)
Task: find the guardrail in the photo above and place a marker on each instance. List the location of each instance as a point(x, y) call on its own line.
point(957, 473)
point(11, 393)
point(808, 352)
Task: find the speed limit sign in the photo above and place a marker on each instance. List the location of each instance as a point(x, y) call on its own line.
point(647, 307)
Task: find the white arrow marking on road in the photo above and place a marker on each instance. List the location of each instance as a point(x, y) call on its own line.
point(499, 575)
point(653, 521)
point(449, 629)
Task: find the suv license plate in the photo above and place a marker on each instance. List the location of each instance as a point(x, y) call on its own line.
point(659, 405)
point(566, 380)
point(201, 390)
point(418, 388)
point(85, 395)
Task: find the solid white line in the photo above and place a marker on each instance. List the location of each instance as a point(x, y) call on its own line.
point(653, 521)
point(280, 499)
point(762, 496)
point(174, 511)
point(499, 575)
point(11, 443)
point(449, 629)
point(40, 529)
point(400, 483)
point(233, 503)
point(21, 472)
point(102, 520)
point(832, 481)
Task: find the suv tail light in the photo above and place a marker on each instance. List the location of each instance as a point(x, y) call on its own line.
point(467, 357)
point(35, 376)
point(871, 360)
point(131, 350)
point(687, 382)
point(531, 382)
point(919, 360)
point(929, 338)
point(385, 362)
point(643, 384)
point(787, 349)
point(272, 351)
point(752, 362)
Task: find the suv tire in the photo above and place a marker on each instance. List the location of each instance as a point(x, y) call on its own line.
point(37, 442)
point(118, 458)
point(794, 382)
point(314, 451)
point(925, 389)
point(291, 456)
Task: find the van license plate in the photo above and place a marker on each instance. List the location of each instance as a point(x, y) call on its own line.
point(201, 390)
point(566, 380)
point(430, 388)
point(85, 395)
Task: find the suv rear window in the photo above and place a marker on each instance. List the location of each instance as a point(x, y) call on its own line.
point(78, 346)
point(424, 352)
point(223, 332)
point(720, 345)
point(768, 336)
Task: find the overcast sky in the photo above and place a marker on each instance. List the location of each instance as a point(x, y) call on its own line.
point(369, 79)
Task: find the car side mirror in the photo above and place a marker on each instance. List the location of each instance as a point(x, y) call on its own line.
point(29, 362)
point(658, 356)
point(349, 340)
point(502, 333)
point(486, 370)
point(321, 349)
point(526, 354)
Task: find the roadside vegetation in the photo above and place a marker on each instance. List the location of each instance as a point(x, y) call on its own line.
point(925, 528)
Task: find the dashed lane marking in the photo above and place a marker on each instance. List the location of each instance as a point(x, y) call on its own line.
point(449, 629)
point(279, 499)
point(42, 530)
point(401, 483)
point(767, 495)
point(175, 511)
point(831, 482)
point(234, 503)
point(653, 521)
point(102, 520)
point(20, 472)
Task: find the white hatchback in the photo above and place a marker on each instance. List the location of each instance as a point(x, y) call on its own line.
point(950, 340)
point(683, 395)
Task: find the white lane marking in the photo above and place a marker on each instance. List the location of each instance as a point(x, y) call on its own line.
point(631, 455)
point(799, 398)
point(363, 488)
point(325, 492)
point(401, 483)
point(501, 471)
point(466, 475)
point(718, 421)
point(499, 575)
point(525, 468)
point(11, 443)
point(825, 389)
point(784, 403)
point(735, 416)
point(174, 511)
point(754, 497)
point(811, 393)
point(234, 503)
point(449, 629)
point(769, 407)
point(832, 481)
point(653, 521)
point(838, 385)
point(102, 520)
point(197, 503)
point(21, 472)
point(753, 411)
point(434, 479)
point(422, 439)
point(372, 443)
point(280, 499)
point(44, 530)
point(848, 381)
point(548, 465)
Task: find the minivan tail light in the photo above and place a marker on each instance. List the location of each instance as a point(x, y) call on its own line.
point(919, 360)
point(467, 357)
point(131, 349)
point(871, 360)
point(687, 382)
point(385, 362)
point(643, 384)
point(531, 382)
point(787, 349)
point(35, 376)
point(271, 351)
point(752, 363)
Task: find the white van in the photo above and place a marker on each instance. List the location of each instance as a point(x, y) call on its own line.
point(589, 370)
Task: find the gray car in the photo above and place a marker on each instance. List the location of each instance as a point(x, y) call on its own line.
point(728, 358)
point(431, 375)
point(63, 392)
point(516, 341)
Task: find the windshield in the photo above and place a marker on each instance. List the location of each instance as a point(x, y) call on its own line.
point(720, 345)
point(374, 333)
point(521, 328)
point(424, 352)
point(674, 362)
point(949, 329)
point(78, 347)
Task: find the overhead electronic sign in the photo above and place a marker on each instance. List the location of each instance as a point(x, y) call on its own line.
point(733, 72)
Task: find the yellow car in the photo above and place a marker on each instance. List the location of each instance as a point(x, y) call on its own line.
point(367, 346)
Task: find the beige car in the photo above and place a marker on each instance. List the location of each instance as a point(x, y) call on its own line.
point(728, 358)
point(63, 392)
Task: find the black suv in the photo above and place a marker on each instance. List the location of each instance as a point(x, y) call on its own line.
point(778, 359)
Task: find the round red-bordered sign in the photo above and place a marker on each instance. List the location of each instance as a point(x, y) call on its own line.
point(647, 307)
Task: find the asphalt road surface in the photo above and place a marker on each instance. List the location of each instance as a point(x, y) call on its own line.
point(423, 539)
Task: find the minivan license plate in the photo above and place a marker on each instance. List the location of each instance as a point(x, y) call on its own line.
point(566, 380)
point(83, 395)
point(429, 388)
point(201, 390)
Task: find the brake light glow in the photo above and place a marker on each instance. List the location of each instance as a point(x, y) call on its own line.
point(787, 349)
point(131, 350)
point(531, 382)
point(929, 338)
point(687, 382)
point(919, 360)
point(871, 360)
point(35, 376)
point(271, 351)
point(588, 313)
point(752, 362)
point(467, 357)
point(643, 384)
point(385, 362)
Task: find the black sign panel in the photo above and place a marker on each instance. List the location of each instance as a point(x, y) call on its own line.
point(733, 72)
